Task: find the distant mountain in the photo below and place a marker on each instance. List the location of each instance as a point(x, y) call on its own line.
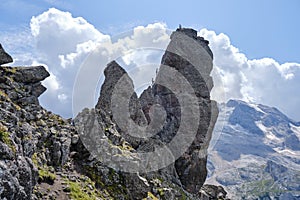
point(255, 152)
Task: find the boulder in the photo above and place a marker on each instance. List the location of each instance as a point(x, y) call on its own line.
point(32, 74)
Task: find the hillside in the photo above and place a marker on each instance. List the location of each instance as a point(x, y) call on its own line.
point(255, 152)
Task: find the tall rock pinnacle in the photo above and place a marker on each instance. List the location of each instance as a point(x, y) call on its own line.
point(165, 132)
point(191, 56)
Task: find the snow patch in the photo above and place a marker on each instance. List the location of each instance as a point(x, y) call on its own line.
point(287, 152)
point(255, 106)
point(296, 130)
point(270, 138)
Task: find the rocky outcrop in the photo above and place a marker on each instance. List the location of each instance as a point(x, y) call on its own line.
point(187, 56)
point(34, 142)
point(22, 84)
point(43, 156)
point(4, 57)
point(197, 71)
point(208, 192)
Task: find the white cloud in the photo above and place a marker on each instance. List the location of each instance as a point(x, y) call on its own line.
point(64, 42)
point(259, 80)
point(51, 83)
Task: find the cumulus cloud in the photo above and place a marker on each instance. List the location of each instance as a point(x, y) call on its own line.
point(65, 42)
point(259, 80)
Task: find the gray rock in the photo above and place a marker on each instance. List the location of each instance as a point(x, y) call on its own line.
point(113, 72)
point(193, 60)
point(38, 89)
point(33, 74)
point(36, 152)
point(191, 57)
point(6, 152)
point(65, 150)
point(29, 135)
point(56, 153)
point(212, 192)
point(4, 57)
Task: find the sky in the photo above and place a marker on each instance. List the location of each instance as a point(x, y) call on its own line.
point(255, 43)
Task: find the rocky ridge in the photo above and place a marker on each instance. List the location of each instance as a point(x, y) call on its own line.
point(43, 157)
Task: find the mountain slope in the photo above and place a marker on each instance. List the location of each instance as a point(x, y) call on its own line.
point(255, 152)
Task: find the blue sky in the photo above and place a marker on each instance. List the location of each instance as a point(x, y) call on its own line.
point(255, 43)
point(267, 28)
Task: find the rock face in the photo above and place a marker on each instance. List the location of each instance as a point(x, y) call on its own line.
point(191, 57)
point(4, 57)
point(30, 137)
point(27, 78)
point(185, 55)
point(188, 56)
point(43, 156)
point(34, 143)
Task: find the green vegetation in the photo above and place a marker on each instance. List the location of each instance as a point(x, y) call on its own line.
point(161, 192)
point(183, 195)
point(17, 107)
point(83, 190)
point(4, 135)
point(12, 70)
point(91, 173)
point(151, 196)
point(77, 193)
point(118, 186)
point(5, 138)
point(264, 187)
point(112, 190)
point(46, 176)
point(3, 94)
point(34, 159)
point(57, 118)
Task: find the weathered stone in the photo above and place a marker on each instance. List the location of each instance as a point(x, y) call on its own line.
point(38, 89)
point(31, 138)
point(193, 34)
point(113, 72)
point(41, 148)
point(193, 60)
point(4, 57)
point(65, 150)
point(208, 192)
point(30, 74)
point(6, 152)
point(191, 57)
